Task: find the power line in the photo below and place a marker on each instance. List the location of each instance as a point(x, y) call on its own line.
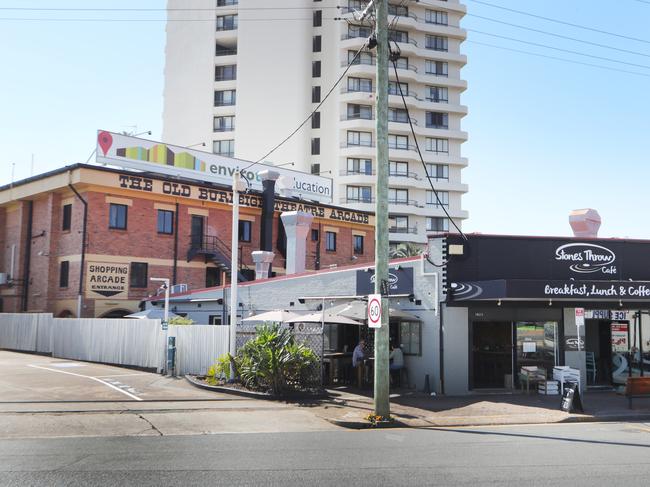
point(605, 46)
point(350, 64)
point(59, 19)
point(545, 46)
point(72, 9)
point(549, 19)
point(571, 61)
point(417, 146)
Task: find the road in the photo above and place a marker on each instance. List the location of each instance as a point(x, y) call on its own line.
point(573, 454)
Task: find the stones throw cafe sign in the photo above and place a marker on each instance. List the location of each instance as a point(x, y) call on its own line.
point(586, 258)
point(147, 155)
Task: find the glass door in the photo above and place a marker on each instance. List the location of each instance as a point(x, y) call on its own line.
point(536, 345)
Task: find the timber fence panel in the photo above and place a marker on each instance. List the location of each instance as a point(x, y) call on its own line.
point(20, 331)
point(199, 346)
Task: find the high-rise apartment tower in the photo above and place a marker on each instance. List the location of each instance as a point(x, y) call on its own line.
point(241, 75)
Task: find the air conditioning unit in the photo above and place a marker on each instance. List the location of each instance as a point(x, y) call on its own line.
point(178, 288)
point(4, 278)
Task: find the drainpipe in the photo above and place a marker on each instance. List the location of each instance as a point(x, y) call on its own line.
point(174, 275)
point(83, 250)
point(28, 255)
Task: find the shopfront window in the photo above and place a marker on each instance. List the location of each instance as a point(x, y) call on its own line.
point(536, 345)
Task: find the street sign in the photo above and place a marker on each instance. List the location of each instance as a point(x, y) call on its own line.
point(164, 325)
point(374, 310)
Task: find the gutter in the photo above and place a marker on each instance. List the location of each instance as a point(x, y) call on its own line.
point(83, 249)
point(175, 271)
point(28, 256)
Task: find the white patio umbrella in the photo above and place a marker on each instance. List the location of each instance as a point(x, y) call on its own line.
point(151, 314)
point(327, 317)
point(274, 316)
point(358, 311)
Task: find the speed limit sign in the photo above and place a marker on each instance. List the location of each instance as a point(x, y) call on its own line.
point(374, 310)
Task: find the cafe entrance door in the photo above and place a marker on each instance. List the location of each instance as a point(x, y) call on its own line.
point(492, 344)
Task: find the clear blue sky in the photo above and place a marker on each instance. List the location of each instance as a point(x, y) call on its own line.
point(545, 136)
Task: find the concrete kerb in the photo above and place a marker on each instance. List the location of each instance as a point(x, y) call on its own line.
point(295, 397)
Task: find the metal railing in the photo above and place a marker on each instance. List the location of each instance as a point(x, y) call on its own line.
point(414, 122)
point(351, 144)
point(401, 147)
point(348, 172)
point(346, 116)
point(413, 230)
point(358, 61)
point(437, 100)
point(399, 201)
point(345, 200)
point(403, 174)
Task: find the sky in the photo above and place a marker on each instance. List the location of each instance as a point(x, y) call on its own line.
point(545, 136)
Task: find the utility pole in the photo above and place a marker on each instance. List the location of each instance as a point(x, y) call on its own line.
point(382, 403)
point(237, 186)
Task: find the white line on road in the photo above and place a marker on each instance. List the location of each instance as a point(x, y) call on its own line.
point(91, 378)
point(120, 375)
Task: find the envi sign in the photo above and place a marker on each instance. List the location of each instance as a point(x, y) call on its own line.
point(147, 155)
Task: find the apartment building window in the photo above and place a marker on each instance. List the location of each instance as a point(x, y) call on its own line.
point(398, 196)
point(315, 146)
point(359, 111)
point(400, 223)
point(226, 22)
point(394, 88)
point(399, 115)
point(362, 194)
point(438, 94)
point(245, 231)
point(360, 138)
point(439, 146)
point(357, 244)
point(401, 63)
point(443, 196)
point(437, 224)
point(398, 36)
point(362, 58)
point(224, 147)
point(318, 18)
point(437, 120)
point(438, 68)
point(224, 124)
point(222, 50)
point(398, 142)
point(315, 69)
point(437, 43)
point(399, 10)
point(315, 120)
point(225, 73)
point(212, 278)
point(224, 98)
point(359, 31)
point(225, 3)
point(64, 273)
point(66, 222)
point(315, 168)
point(165, 223)
point(330, 241)
point(139, 272)
point(359, 166)
point(438, 171)
point(117, 216)
point(360, 84)
point(316, 44)
point(436, 17)
point(398, 168)
point(315, 94)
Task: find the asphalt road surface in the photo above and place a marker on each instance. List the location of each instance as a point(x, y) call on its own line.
point(590, 454)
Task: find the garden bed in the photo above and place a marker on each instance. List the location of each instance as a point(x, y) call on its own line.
point(239, 390)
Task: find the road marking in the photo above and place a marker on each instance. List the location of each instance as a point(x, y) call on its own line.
point(89, 377)
point(119, 375)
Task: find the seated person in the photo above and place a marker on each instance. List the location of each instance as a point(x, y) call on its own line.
point(357, 354)
point(396, 358)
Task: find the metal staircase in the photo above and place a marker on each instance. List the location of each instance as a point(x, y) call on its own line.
point(214, 249)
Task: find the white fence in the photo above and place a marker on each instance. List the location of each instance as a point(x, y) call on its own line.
point(138, 343)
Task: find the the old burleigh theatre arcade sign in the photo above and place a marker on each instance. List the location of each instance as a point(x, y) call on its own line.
point(533, 268)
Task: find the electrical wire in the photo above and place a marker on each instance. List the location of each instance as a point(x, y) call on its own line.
point(562, 22)
point(350, 64)
point(117, 9)
point(417, 146)
point(571, 61)
point(604, 46)
point(546, 46)
point(61, 19)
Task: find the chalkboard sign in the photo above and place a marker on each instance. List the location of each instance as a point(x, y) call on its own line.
point(571, 401)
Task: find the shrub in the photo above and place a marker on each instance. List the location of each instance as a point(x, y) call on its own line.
point(180, 321)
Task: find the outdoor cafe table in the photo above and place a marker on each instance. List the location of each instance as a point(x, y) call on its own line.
point(335, 359)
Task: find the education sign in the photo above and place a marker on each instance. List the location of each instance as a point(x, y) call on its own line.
point(146, 155)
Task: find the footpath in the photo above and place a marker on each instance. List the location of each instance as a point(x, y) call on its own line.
point(348, 408)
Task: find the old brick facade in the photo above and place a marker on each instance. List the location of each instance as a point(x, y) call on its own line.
point(32, 218)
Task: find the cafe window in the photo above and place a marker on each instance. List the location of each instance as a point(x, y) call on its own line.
point(139, 274)
point(330, 241)
point(165, 222)
point(117, 216)
point(411, 337)
point(67, 217)
point(64, 273)
point(245, 230)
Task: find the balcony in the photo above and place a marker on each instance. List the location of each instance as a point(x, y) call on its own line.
point(346, 201)
point(402, 202)
point(408, 230)
point(403, 174)
point(349, 172)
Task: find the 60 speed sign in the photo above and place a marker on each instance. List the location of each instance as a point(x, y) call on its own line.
point(374, 310)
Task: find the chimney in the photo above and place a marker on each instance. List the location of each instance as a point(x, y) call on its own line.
point(263, 258)
point(584, 223)
point(296, 225)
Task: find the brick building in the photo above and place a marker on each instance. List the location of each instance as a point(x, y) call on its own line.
point(140, 225)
